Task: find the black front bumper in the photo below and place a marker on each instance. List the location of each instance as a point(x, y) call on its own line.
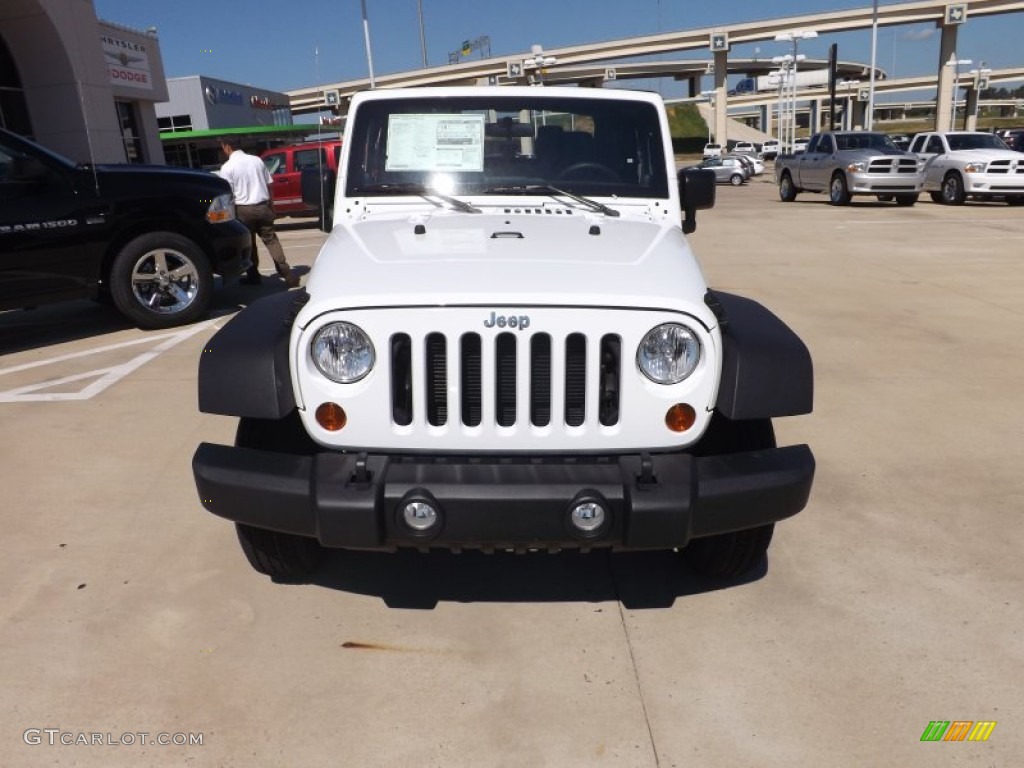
point(653, 502)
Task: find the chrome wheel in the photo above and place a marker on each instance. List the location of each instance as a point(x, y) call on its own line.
point(165, 281)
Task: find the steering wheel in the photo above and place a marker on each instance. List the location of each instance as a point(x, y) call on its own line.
point(587, 171)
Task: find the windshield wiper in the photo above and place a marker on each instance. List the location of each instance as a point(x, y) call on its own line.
point(524, 189)
point(412, 188)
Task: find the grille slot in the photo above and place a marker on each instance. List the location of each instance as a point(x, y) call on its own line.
point(540, 380)
point(437, 380)
point(611, 370)
point(575, 379)
point(401, 379)
point(505, 380)
point(472, 384)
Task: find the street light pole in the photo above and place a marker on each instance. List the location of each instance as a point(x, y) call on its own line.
point(870, 117)
point(955, 63)
point(366, 38)
point(794, 37)
point(423, 36)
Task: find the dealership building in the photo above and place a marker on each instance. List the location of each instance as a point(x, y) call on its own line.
point(83, 87)
point(200, 108)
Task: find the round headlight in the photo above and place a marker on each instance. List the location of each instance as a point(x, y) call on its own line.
point(668, 353)
point(342, 352)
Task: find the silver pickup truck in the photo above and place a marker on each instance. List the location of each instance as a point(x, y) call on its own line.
point(847, 163)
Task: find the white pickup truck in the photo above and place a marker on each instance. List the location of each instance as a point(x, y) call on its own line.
point(506, 344)
point(962, 164)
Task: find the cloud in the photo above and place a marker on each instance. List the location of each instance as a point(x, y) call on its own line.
point(920, 34)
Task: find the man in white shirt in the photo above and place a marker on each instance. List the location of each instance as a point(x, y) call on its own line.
point(250, 183)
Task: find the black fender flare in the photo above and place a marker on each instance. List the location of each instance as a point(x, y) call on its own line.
point(766, 368)
point(244, 368)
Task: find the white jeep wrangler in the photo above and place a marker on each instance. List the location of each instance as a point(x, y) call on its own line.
point(506, 344)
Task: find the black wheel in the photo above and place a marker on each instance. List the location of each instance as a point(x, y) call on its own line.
point(906, 200)
point(885, 198)
point(729, 555)
point(736, 179)
point(587, 171)
point(787, 189)
point(953, 189)
point(838, 192)
point(160, 280)
point(1011, 200)
point(935, 196)
point(281, 556)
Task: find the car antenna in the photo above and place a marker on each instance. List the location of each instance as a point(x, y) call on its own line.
point(88, 135)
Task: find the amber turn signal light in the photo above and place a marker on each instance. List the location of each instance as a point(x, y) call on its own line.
point(680, 417)
point(331, 416)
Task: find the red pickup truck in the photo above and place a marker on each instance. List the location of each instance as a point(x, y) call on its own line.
point(286, 165)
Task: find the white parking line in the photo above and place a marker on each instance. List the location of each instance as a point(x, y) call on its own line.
point(105, 377)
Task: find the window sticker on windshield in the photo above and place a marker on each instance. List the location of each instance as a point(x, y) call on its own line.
point(435, 143)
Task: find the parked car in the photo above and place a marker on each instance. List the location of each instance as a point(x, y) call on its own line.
point(744, 148)
point(770, 149)
point(147, 238)
point(962, 164)
point(1014, 139)
point(901, 140)
point(728, 170)
point(752, 163)
point(286, 165)
point(800, 145)
point(712, 150)
point(847, 163)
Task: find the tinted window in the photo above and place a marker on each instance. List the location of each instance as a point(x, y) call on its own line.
point(275, 163)
point(309, 158)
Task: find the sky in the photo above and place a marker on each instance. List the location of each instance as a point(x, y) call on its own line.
point(284, 46)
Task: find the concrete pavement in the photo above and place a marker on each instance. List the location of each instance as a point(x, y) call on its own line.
point(893, 600)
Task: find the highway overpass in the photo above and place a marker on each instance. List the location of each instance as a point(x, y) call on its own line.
point(949, 17)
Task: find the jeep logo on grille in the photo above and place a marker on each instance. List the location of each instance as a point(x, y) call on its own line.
point(507, 321)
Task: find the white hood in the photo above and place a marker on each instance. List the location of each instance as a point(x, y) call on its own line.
point(549, 256)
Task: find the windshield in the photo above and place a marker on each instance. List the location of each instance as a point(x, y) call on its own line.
point(474, 145)
point(864, 141)
point(975, 141)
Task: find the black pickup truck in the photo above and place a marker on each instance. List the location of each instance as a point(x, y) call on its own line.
point(147, 238)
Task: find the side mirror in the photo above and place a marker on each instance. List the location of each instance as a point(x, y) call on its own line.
point(696, 193)
point(318, 192)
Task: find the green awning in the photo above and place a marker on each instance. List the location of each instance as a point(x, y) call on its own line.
point(255, 130)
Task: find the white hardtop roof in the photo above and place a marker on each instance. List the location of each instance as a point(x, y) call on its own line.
point(491, 91)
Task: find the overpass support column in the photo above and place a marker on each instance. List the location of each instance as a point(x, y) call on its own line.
point(694, 86)
point(721, 98)
point(971, 109)
point(813, 116)
point(858, 114)
point(944, 96)
point(766, 119)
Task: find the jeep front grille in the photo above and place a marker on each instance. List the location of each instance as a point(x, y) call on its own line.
point(567, 370)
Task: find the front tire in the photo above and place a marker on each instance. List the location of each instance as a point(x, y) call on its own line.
point(838, 192)
point(736, 180)
point(906, 200)
point(787, 189)
point(161, 280)
point(935, 196)
point(953, 190)
point(730, 555)
point(281, 556)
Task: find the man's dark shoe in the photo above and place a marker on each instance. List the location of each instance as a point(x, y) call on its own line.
point(291, 279)
point(251, 280)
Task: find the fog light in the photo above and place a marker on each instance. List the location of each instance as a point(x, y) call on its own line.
point(680, 417)
point(331, 416)
point(419, 515)
point(587, 516)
